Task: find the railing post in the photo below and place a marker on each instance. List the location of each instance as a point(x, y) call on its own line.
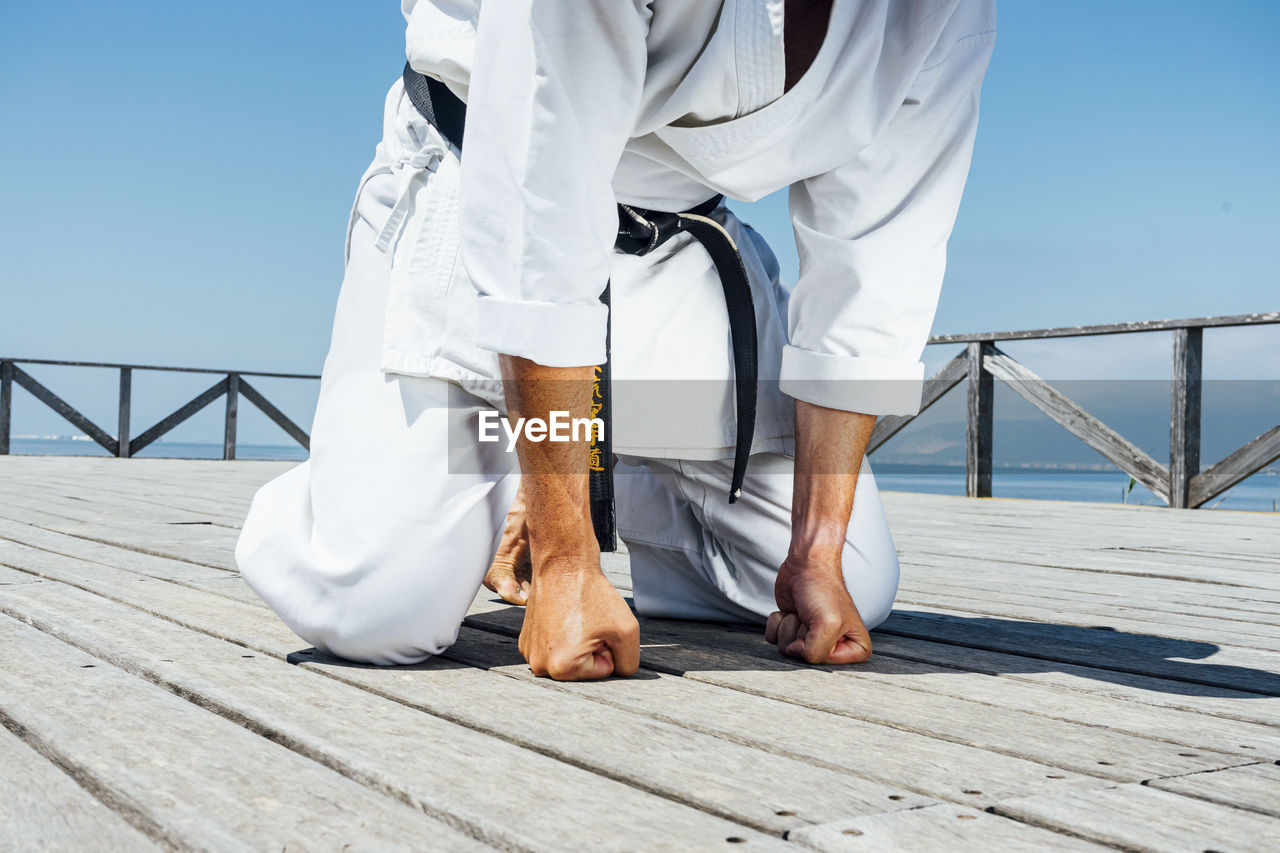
point(126, 401)
point(977, 459)
point(229, 433)
point(6, 404)
point(1184, 421)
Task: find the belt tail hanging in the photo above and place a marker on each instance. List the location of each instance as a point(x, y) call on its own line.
point(742, 329)
point(600, 458)
point(641, 231)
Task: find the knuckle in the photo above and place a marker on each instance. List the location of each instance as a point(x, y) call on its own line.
point(560, 668)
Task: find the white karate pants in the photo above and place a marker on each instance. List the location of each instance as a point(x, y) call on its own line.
point(374, 548)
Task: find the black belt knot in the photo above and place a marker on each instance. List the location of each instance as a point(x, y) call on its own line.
point(640, 231)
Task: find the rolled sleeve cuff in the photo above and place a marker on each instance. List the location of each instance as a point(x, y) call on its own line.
point(866, 384)
point(549, 333)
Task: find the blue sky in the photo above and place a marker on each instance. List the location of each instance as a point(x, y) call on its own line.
point(177, 179)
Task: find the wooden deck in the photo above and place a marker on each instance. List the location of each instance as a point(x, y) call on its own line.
point(1056, 676)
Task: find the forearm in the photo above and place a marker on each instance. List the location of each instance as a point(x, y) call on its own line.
point(554, 472)
point(830, 444)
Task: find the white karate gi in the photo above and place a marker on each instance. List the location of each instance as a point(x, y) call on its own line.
point(374, 548)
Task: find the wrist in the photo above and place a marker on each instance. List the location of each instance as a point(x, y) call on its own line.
point(820, 512)
point(563, 542)
point(564, 566)
point(829, 449)
point(561, 539)
point(817, 550)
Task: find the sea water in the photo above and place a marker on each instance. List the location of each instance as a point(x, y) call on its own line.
point(1259, 493)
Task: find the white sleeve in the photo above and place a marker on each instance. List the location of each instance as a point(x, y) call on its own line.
point(872, 237)
point(554, 92)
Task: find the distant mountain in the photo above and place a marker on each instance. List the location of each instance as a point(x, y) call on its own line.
point(1233, 413)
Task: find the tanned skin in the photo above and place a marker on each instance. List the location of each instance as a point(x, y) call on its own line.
point(578, 627)
point(816, 619)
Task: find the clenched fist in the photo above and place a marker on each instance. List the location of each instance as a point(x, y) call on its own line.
point(577, 627)
point(816, 619)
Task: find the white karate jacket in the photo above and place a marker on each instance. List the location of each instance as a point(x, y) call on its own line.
point(576, 104)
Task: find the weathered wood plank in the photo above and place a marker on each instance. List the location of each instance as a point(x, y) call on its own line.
point(1201, 629)
point(1184, 421)
point(93, 551)
point(1255, 787)
point(199, 780)
point(1206, 581)
point(6, 405)
point(1189, 728)
point(123, 412)
point(935, 388)
point(230, 586)
point(1228, 533)
point(1102, 438)
point(1083, 606)
point(1161, 599)
point(42, 808)
point(230, 417)
point(68, 412)
point(161, 368)
point(1129, 524)
point(940, 827)
point(1141, 654)
point(277, 417)
point(731, 659)
point(117, 492)
point(1144, 543)
point(1251, 458)
point(10, 576)
point(161, 568)
point(1138, 817)
point(184, 480)
point(170, 421)
point(63, 507)
point(1142, 690)
point(1211, 558)
point(771, 790)
point(1113, 328)
point(936, 768)
point(1207, 561)
point(1098, 563)
point(1225, 735)
point(200, 544)
point(979, 422)
point(386, 745)
point(125, 495)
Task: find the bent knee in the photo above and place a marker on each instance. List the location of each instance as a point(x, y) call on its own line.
point(378, 623)
point(382, 640)
point(871, 572)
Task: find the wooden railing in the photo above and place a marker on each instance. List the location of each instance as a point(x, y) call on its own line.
point(124, 444)
point(1181, 484)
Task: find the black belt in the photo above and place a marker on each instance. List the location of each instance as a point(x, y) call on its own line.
point(640, 231)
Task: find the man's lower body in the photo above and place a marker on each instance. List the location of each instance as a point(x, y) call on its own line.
point(374, 548)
